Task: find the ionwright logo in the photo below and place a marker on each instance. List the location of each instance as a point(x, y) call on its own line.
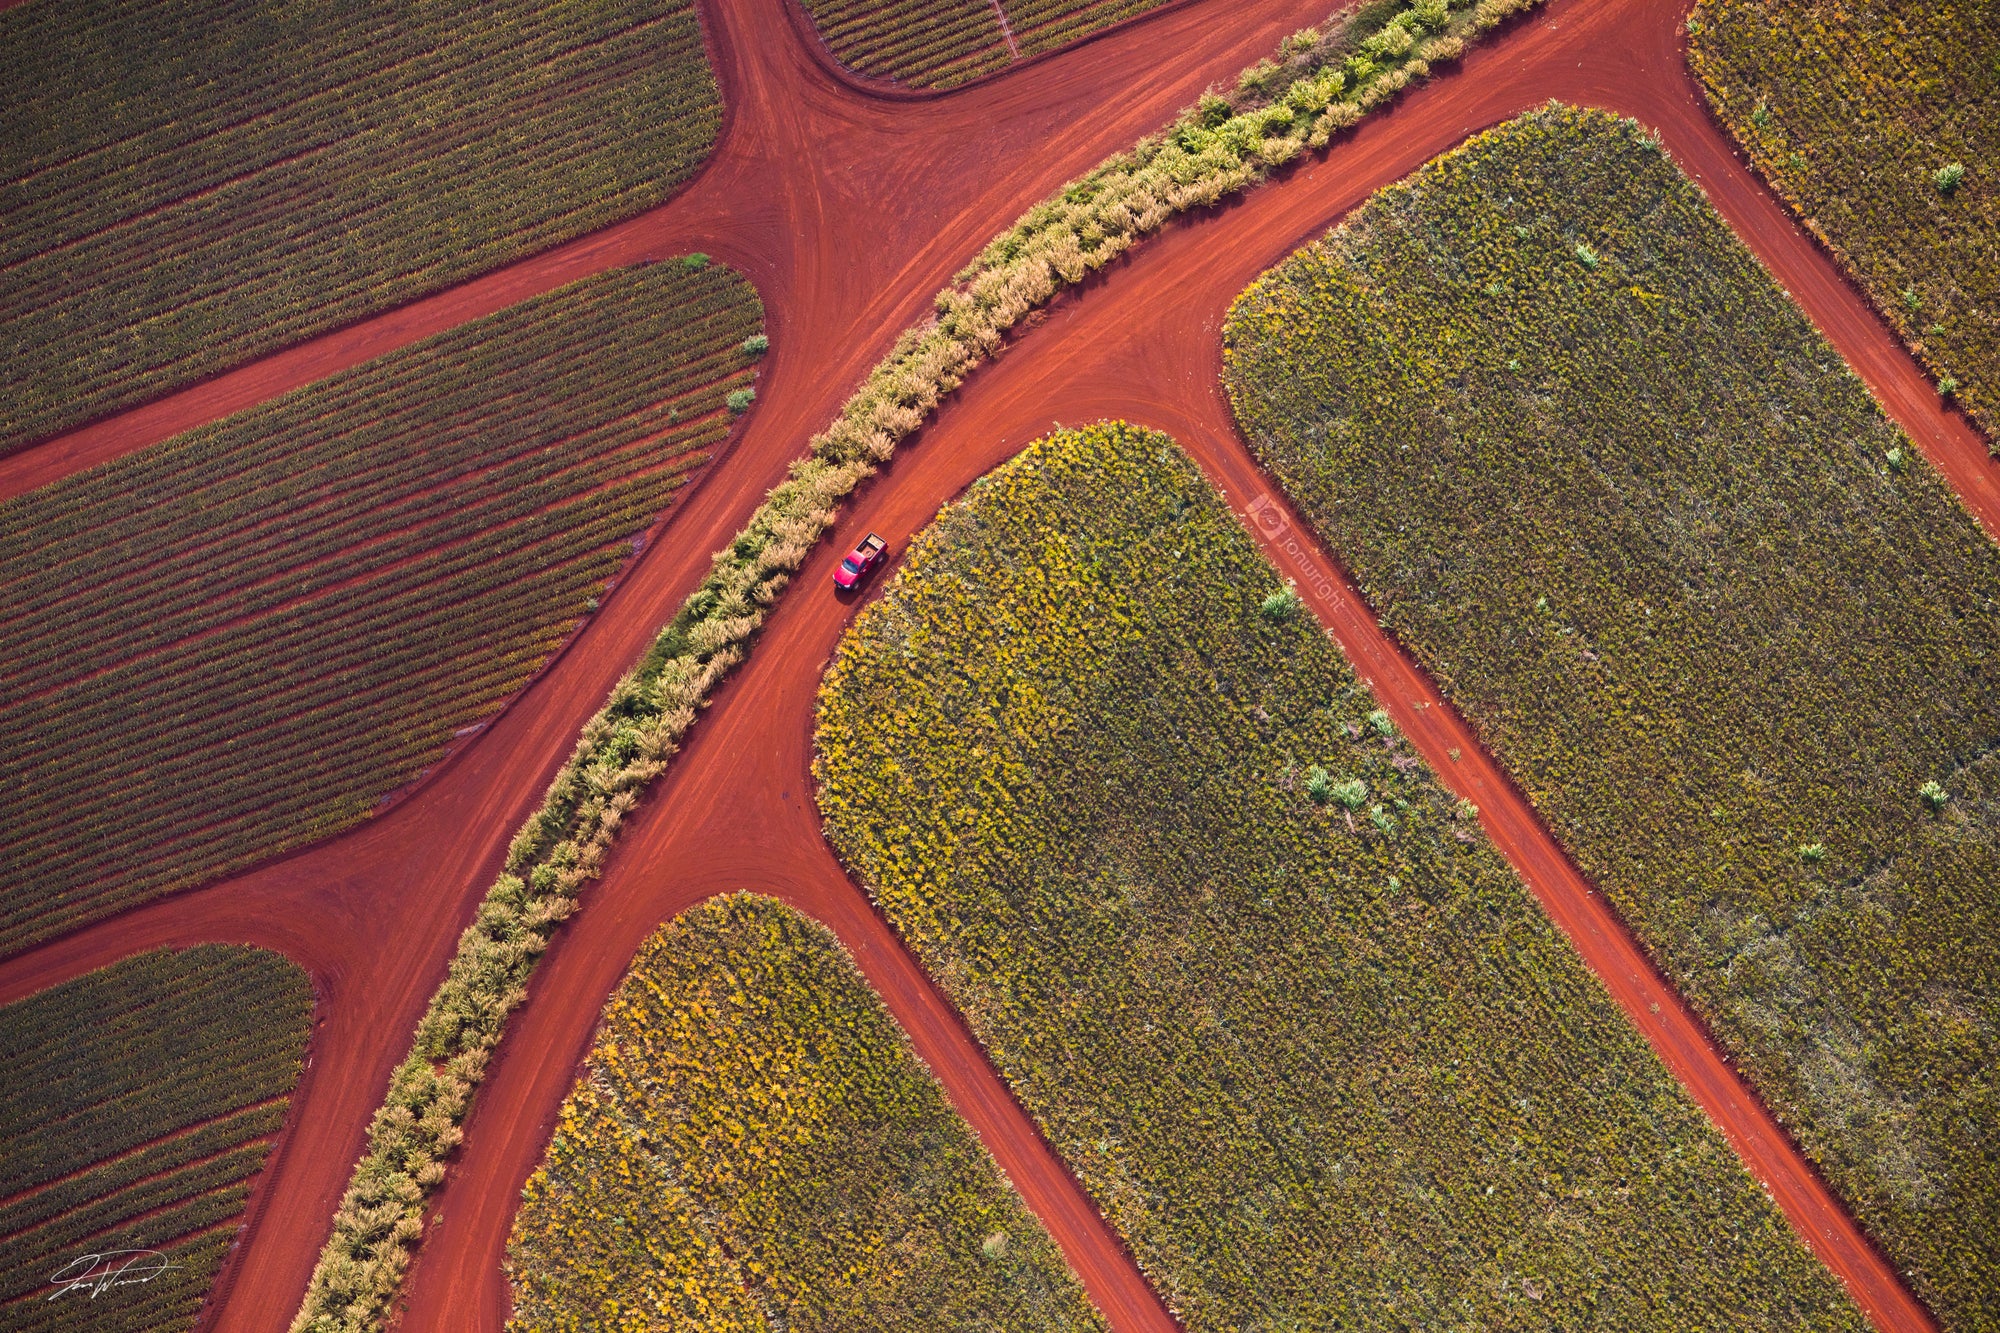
point(1269, 516)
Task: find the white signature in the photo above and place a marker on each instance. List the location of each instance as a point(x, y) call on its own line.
point(98, 1273)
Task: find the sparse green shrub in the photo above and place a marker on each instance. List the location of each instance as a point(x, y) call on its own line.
point(1934, 794)
point(1280, 606)
point(740, 400)
point(1812, 853)
point(694, 261)
point(1319, 785)
point(1871, 87)
point(757, 344)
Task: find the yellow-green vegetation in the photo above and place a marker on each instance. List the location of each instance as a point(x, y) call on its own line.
point(933, 44)
point(1878, 121)
point(1306, 1038)
point(136, 1110)
point(1318, 85)
point(185, 184)
point(1727, 629)
point(753, 1145)
point(941, 43)
point(314, 596)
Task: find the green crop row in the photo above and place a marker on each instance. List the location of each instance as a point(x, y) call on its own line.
point(168, 1303)
point(314, 595)
point(134, 1116)
point(927, 45)
point(1879, 123)
point(1731, 634)
point(918, 42)
point(190, 185)
point(752, 1144)
point(1323, 1062)
point(1320, 84)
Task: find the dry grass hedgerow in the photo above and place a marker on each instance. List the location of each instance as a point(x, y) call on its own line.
point(1319, 84)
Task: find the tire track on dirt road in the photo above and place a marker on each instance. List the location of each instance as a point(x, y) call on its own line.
point(1143, 342)
point(849, 211)
point(373, 913)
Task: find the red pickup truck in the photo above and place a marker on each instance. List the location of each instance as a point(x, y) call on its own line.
point(859, 561)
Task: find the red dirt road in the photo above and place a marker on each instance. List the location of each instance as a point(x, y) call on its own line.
point(835, 204)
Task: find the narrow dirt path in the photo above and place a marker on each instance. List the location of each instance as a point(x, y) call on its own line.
point(835, 204)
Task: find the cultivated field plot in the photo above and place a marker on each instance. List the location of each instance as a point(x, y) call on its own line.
point(138, 1105)
point(187, 184)
point(241, 639)
point(1305, 1037)
point(1732, 635)
point(939, 43)
point(1880, 123)
point(753, 1146)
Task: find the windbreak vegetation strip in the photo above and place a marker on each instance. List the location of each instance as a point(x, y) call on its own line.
point(1320, 83)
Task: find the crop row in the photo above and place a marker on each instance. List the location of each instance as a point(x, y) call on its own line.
point(1044, 25)
point(916, 42)
point(204, 183)
point(134, 1114)
point(1879, 123)
point(1320, 83)
point(315, 595)
point(207, 552)
point(1727, 629)
point(168, 1303)
point(1310, 1043)
point(207, 1139)
point(750, 1120)
point(173, 1204)
point(136, 1051)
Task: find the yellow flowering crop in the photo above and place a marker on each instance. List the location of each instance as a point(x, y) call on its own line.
point(753, 1146)
point(1323, 1065)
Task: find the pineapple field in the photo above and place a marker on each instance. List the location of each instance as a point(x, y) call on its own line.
point(1727, 629)
point(241, 639)
point(1879, 124)
point(752, 1146)
point(139, 1105)
point(1308, 1041)
point(189, 185)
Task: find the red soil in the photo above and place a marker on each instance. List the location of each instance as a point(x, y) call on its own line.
point(848, 211)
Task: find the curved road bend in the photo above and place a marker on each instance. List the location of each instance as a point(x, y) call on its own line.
point(1143, 343)
point(742, 814)
point(848, 211)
